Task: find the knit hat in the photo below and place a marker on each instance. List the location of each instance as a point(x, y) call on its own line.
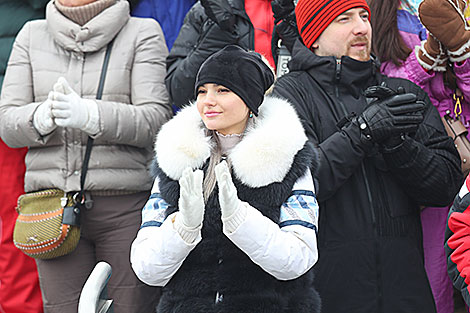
point(314, 16)
point(243, 72)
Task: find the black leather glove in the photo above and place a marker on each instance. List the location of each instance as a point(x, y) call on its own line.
point(282, 9)
point(221, 13)
point(391, 115)
point(285, 26)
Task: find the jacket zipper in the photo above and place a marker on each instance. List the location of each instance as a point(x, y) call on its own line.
point(345, 112)
point(369, 193)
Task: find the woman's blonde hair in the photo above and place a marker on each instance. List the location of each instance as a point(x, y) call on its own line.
point(216, 157)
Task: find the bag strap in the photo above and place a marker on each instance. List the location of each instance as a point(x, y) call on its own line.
point(89, 143)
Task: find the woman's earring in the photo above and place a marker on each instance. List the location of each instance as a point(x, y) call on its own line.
point(251, 114)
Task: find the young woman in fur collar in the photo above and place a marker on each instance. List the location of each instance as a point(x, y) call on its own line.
point(231, 223)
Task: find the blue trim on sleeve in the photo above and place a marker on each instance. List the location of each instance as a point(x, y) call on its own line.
point(303, 193)
point(151, 223)
point(154, 195)
point(298, 222)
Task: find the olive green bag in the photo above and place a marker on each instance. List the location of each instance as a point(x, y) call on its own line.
point(39, 231)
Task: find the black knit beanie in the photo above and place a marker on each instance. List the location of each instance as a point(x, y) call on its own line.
point(243, 72)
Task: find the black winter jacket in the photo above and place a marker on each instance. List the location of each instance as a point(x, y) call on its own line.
point(199, 37)
point(370, 241)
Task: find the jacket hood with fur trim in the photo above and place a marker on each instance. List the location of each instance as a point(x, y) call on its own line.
point(264, 155)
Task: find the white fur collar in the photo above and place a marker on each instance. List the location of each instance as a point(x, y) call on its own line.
point(264, 155)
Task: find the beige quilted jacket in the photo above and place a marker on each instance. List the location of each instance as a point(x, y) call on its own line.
point(134, 105)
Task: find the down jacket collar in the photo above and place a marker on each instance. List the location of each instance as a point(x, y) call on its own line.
point(92, 36)
point(264, 155)
point(350, 74)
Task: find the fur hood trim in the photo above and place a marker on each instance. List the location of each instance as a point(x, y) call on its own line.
point(264, 156)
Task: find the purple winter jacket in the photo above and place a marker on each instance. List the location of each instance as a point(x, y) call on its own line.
point(431, 82)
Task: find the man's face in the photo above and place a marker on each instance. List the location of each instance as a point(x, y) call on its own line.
point(349, 34)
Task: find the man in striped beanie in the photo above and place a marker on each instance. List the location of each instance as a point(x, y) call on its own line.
point(324, 27)
point(383, 154)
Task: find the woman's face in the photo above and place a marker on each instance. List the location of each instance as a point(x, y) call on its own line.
point(221, 109)
point(75, 3)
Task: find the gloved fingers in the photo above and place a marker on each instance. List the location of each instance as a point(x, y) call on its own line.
point(61, 114)
point(58, 86)
point(62, 122)
point(380, 92)
point(287, 33)
point(224, 180)
point(281, 8)
point(50, 96)
point(406, 129)
point(46, 105)
point(184, 181)
point(197, 178)
point(60, 105)
point(44, 110)
point(408, 119)
point(65, 85)
point(222, 173)
point(407, 108)
point(59, 96)
point(401, 99)
point(224, 189)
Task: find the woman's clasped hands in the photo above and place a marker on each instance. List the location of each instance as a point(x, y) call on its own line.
point(65, 108)
point(189, 219)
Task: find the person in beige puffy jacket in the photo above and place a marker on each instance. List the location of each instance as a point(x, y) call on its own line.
point(48, 105)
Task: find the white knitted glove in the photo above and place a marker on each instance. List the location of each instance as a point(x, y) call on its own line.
point(70, 110)
point(188, 220)
point(228, 199)
point(42, 119)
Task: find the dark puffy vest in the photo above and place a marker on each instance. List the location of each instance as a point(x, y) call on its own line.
point(219, 277)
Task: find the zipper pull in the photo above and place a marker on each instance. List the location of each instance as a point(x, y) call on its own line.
point(338, 69)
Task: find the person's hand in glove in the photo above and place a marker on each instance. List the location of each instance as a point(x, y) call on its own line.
point(285, 25)
point(43, 120)
point(221, 13)
point(70, 110)
point(391, 115)
point(188, 220)
point(444, 19)
point(230, 205)
point(431, 55)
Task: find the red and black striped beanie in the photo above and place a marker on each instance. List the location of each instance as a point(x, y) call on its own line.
point(313, 16)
